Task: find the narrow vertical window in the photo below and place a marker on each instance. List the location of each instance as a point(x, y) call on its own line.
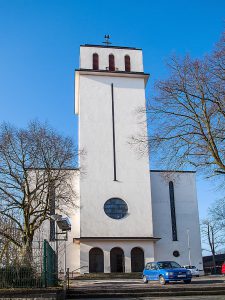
point(173, 211)
point(52, 212)
point(95, 62)
point(111, 62)
point(113, 132)
point(127, 63)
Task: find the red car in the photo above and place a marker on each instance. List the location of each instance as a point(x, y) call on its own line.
point(223, 268)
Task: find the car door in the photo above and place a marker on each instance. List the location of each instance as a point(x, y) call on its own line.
point(147, 271)
point(154, 271)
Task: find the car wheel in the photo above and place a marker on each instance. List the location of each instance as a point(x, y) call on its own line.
point(197, 275)
point(162, 280)
point(145, 280)
point(187, 281)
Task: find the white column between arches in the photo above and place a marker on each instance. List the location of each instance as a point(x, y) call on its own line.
point(127, 258)
point(106, 261)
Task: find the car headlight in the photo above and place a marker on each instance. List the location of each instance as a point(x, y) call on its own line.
point(169, 273)
point(188, 272)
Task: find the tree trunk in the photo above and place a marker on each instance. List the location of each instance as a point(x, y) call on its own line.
point(27, 252)
point(214, 262)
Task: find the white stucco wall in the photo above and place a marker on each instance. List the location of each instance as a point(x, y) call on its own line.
point(86, 56)
point(73, 248)
point(106, 246)
point(73, 213)
point(186, 217)
point(97, 185)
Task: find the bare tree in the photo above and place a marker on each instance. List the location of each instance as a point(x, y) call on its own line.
point(187, 115)
point(34, 162)
point(9, 252)
point(217, 212)
point(212, 237)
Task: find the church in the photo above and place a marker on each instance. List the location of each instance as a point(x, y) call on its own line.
point(127, 215)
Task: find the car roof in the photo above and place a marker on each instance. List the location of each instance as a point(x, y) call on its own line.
point(161, 261)
point(165, 261)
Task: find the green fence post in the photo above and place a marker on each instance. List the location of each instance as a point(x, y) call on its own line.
point(45, 263)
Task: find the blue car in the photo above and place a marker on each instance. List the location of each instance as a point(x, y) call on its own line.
point(166, 271)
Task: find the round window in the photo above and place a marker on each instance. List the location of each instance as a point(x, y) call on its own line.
point(176, 253)
point(115, 208)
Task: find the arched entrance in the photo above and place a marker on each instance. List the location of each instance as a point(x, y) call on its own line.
point(117, 260)
point(137, 260)
point(96, 260)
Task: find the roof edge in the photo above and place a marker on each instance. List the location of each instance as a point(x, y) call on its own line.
point(172, 171)
point(117, 238)
point(113, 72)
point(66, 169)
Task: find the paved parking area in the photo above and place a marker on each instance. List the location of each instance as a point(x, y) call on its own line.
point(213, 287)
point(138, 283)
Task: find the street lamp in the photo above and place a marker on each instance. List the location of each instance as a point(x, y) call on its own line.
point(189, 248)
point(64, 225)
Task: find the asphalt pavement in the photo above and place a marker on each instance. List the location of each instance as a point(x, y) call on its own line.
point(203, 288)
point(168, 298)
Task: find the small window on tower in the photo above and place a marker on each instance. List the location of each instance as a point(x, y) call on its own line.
point(95, 61)
point(127, 63)
point(111, 62)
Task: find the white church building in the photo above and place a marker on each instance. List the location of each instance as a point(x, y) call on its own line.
point(126, 215)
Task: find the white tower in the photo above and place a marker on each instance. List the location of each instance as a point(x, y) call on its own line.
point(116, 230)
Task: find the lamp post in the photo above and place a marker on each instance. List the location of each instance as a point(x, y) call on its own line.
point(53, 237)
point(62, 223)
point(189, 248)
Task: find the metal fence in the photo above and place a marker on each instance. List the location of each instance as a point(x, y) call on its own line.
point(42, 273)
point(49, 272)
point(212, 270)
point(20, 277)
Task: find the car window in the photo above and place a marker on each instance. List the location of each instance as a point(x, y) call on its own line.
point(175, 265)
point(168, 265)
point(154, 266)
point(190, 267)
point(148, 267)
point(164, 265)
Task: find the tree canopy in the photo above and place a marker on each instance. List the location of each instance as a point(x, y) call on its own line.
point(35, 164)
point(187, 115)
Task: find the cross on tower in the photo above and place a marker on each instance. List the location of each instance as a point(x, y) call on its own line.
point(107, 42)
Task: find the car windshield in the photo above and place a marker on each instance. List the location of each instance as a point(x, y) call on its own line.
point(168, 265)
point(190, 267)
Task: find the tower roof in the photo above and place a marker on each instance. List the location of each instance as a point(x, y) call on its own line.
point(115, 47)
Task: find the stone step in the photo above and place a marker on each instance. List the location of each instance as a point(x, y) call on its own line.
point(120, 292)
point(96, 276)
point(138, 294)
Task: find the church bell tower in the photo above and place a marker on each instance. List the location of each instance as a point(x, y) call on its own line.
point(115, 192)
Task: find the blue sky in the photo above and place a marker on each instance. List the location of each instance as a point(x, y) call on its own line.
point(39, 50)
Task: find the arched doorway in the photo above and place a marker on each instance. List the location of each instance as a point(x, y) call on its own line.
point(117, 260)
point(96, 260)
point(137, 260)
